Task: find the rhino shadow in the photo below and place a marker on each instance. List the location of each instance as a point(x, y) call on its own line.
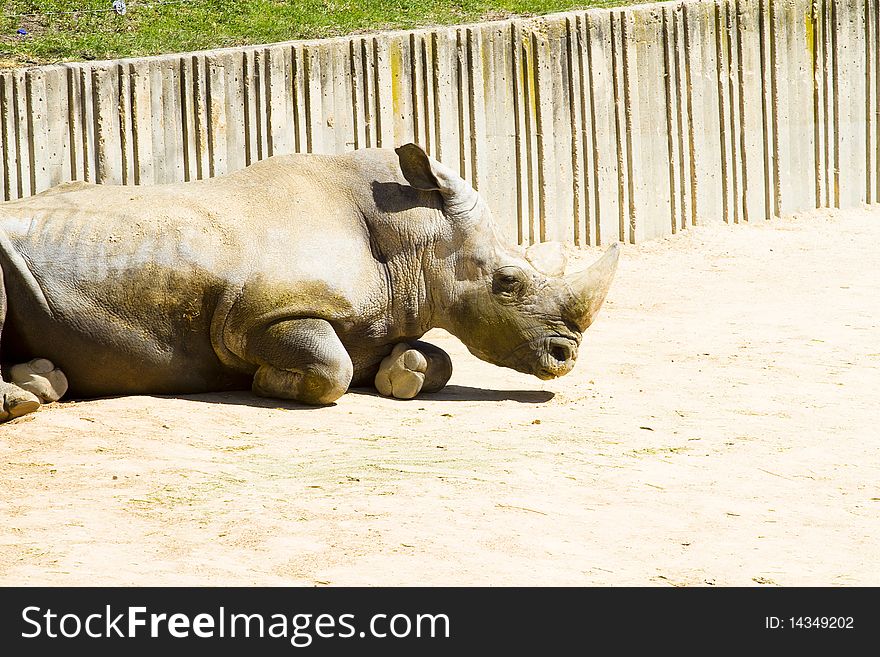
point(392, 197)
point(449, 393)
point(243, 398)
point(467, 393)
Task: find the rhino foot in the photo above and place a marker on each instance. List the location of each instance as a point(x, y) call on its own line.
point(40, 377)
point(402, 373)
point(16, 402)
point(309, 387)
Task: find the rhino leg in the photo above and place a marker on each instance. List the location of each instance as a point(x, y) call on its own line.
point(40, 377)
point(14, 401)
point(300, 359)
point(411, 368)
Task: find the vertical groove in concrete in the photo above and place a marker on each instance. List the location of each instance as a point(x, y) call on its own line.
point(618, 126)
point(473, 137)
point(435, 77)
point(872, 101)
point(183, 118)
point(532, 115)
point(414, 88)
point(5, 146)
point(135, 113)
point(377, 94)
point(744, 187)
point(353, 87)
point(308, 73)
point(763, 18)
point(14, 140)
point(123, 94)
point(628, 127)
point(200, 118)
point(875, 45)
point(425, 108)
point(541, 191)
point(29, 122)
point(72, 118)
point(246, 109)
point(868, 118)
point(293, 90)
point(527, 94)
point(835, 104)
point(692, 161)
point(365, 90)
point(516, 84)
point(575, 127)
point(95, 128)
point(593, 137)
point(461, 86)
point(729, 30)
point(815, 22)
point(267, 102)
point(670, 128)
point(210, 119)
point(720, 31)
point(84, 122)
point(17, 131)
point(586, 126)
point(680, 111)
point(588, 163)
point(259, 115)
point(826, 93)
point(774, 113)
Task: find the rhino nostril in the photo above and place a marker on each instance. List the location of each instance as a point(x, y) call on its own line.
point(559, 353)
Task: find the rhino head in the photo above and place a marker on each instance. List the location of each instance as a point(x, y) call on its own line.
point(510, 306)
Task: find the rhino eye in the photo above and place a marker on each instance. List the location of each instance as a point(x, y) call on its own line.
point(508, 280)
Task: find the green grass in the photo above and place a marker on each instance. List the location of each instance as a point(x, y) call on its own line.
point(151, 28)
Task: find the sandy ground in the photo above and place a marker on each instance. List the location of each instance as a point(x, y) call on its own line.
point(721, 428)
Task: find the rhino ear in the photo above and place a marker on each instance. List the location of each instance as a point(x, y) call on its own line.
point(426, 173)
point(547, 257)
point(417, 168)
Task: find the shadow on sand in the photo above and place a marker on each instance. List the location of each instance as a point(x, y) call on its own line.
point(467, 393)
point(244, 398)
point(449, 393)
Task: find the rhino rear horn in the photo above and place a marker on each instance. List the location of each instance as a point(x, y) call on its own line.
point(589, 287)
point(424, 172)
point(547, 257)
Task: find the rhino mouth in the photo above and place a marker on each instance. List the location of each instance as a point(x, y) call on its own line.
point(546, 358)
point(557, 357)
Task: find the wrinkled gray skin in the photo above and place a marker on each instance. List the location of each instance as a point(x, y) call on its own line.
point(296, 276)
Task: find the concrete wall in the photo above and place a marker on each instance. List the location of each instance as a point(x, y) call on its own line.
point(589, 127)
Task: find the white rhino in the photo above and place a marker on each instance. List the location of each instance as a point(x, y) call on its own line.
point(299, 276)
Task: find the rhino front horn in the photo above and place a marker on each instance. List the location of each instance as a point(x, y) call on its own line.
point(589, 287)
